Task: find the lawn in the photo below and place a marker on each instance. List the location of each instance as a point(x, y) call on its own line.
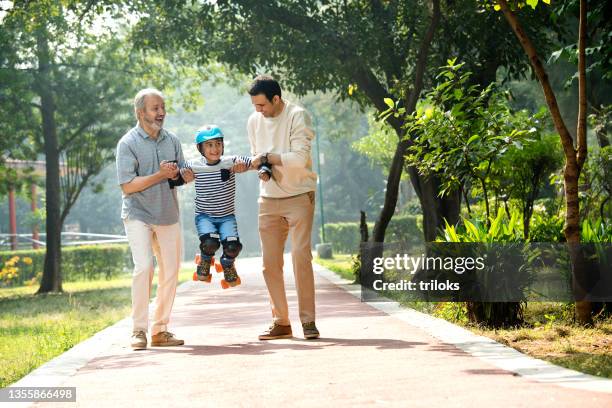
point(341, 264)
point(34, 329)
point(548, 332)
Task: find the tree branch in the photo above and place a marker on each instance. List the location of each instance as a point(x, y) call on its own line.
point(549, 95)
point(421, 64)
point(582, 99)
point(77, 133)
point(337, 48)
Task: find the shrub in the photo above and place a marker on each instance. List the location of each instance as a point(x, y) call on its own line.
point(546, 228)
point(501, 230)
point(344, 236)
point(78, 263)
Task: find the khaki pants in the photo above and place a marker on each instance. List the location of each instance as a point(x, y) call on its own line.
point(277, 218)
point(163, 241)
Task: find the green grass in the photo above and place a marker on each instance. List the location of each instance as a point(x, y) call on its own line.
point(340, 263)
point(36, 328)
point(548, 332)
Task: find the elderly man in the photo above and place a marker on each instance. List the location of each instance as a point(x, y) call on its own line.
point(280, 133)
point(148, 160)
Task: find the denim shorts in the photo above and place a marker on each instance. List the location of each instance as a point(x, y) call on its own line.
point(225, 226)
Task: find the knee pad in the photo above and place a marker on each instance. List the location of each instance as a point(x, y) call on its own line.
point(231, 247)
point(209, 243)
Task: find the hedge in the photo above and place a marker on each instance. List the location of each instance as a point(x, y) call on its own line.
point(345, 236)
point(85, 262)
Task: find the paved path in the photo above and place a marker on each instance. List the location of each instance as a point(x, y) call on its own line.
point(365, 357)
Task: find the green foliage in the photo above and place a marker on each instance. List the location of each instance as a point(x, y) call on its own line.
point(78, 263)
point(596, 200)
point(379, 144)
point(598, 49)
point(596, 231)
point(461, 131)
point(455, 312)
point(501, 230)
point(344, 236)
point(546, 227)
point(519, 175)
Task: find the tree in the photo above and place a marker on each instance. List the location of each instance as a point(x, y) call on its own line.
point(315, 47)
point(74, 86)
point(525, 169)
point(366, 50)
point(462, 132)
point(574, 156)
point(599, 64)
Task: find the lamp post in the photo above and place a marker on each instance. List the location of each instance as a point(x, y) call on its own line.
point(320, 184)
point(319, 178)
point(324, 250)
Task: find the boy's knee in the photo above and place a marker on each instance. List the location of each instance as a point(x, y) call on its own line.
point(232, 247)
point(209, 243)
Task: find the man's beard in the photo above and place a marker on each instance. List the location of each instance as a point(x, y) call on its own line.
point(154, 123)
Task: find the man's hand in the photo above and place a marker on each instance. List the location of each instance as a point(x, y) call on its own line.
point(256, 161)
point(168, 169)
point(187, 175)
point(271, 159)
point(239, 166)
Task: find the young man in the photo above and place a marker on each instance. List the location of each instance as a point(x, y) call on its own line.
point(280, 134)
point(148, 157)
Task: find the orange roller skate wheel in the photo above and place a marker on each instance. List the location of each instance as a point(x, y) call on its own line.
point(195, 276)
point(197, 259)
point(218, 267)
point(225, 284)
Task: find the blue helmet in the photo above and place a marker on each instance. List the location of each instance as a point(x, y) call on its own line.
point(208, 132)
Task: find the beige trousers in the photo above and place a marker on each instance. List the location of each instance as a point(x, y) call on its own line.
point(163, 241)
point(279, 217)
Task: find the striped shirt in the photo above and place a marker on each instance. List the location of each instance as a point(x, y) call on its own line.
point(214, 196)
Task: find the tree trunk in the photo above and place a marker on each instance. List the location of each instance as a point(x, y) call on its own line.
point(52, 277)
point(436, 209)
point(431, 213)
point(574, 158)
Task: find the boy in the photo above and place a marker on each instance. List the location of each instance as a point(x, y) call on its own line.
point(215, 203)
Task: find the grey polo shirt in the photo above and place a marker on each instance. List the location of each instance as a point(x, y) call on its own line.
point(139, 155)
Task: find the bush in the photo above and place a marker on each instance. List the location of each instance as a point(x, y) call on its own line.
point(86, 262)
point(546, 228)
point(344, 236)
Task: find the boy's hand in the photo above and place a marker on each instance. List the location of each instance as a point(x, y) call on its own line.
point(239, 167)
point(187, 175)
point(265, 176)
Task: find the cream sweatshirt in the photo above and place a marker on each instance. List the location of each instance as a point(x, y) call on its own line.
point(290, 134)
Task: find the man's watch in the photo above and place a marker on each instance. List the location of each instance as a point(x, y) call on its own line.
point(264, 159)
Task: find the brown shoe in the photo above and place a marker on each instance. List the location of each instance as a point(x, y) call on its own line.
point(165, 339)
point(276, 331)
point(138, 340)
point(310, 330)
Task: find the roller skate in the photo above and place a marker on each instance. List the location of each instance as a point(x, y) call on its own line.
point(230, 276)
point(202, 272)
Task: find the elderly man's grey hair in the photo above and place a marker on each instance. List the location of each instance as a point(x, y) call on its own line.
point(139, 99)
